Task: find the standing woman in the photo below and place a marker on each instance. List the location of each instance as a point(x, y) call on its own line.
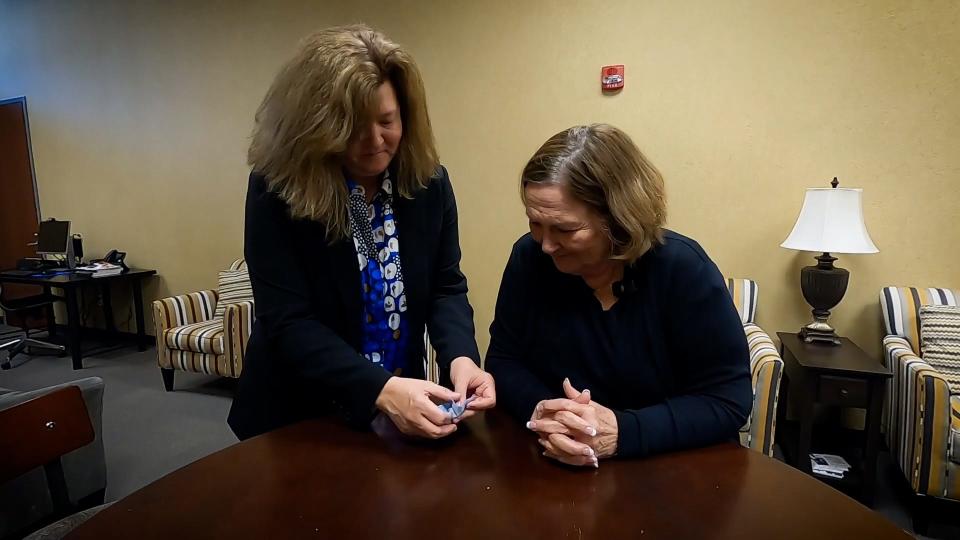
point(352, 247)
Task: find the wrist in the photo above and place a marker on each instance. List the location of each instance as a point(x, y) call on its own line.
point(384, 395)
point(609, 435)
point(461, 360)
point(606, 446)
point(462, 363)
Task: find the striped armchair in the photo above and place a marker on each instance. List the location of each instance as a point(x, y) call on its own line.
point(921, 413)
point(191, 337)
point(766, 367)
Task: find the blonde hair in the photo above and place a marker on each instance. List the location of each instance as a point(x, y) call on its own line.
point(603, 168)
point(318, 99)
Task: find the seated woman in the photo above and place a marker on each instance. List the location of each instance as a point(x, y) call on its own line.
point(352, 246)
point(600, 296)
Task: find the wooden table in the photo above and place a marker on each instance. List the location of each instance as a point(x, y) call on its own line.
point(837, 376)
point(71, 283)
point(320, 480)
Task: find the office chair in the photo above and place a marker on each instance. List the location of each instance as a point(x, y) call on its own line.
point(53, 463)
point(24, 307)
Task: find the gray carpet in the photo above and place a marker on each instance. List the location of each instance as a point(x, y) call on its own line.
point(149, 432)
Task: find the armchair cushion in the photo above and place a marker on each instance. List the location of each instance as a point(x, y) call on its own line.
point(940, 341)
point(901, 309)
point(202, 337)
point(184, 309)
point(234, 287)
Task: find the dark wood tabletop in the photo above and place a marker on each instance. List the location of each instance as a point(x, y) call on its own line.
point(318, 479)
point(65, 278)
point(844, 359)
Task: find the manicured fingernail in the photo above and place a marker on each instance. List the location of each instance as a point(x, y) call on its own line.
point(596, 465)
point(586, 391)
point(531, 425)
point(588, 451)
point(591, 431)
point(566, 380)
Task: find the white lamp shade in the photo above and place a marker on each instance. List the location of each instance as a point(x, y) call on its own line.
point(831, 221)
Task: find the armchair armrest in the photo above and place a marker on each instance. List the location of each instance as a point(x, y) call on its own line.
point(766, 368)
point(237, 324)
point(178, 311)
point(918, 426)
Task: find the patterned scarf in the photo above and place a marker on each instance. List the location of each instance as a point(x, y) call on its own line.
point(375, 238)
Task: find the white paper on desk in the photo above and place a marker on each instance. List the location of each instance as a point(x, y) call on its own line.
point(829, 462)
point(830, 473)
point(100, 267)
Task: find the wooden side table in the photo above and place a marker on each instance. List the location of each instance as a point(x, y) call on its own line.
point(839, 376)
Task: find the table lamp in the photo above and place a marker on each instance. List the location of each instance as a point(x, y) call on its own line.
point(830, 221)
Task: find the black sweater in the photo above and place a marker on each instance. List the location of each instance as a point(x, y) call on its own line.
point(670, 357)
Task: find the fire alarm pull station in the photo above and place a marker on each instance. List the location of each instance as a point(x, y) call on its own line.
point(611, 78)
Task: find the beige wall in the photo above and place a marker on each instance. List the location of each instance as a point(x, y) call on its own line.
point(140, 117)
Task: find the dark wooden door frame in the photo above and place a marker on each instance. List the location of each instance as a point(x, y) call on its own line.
point(22, 100)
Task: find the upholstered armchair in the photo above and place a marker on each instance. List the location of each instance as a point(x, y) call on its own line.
point(921, 412)
point(766, 368)
point(206, 331)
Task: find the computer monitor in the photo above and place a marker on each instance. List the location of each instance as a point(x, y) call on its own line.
point(53, 237)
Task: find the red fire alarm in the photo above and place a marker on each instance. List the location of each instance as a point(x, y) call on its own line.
point(611, 78)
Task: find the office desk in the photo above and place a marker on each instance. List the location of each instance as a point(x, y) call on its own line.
point(318, 479)
point(71, 283)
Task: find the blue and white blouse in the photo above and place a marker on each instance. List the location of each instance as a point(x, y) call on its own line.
point(375, 238)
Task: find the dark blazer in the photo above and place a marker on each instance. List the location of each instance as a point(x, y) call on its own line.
point(302, 359)
point(670, 358)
